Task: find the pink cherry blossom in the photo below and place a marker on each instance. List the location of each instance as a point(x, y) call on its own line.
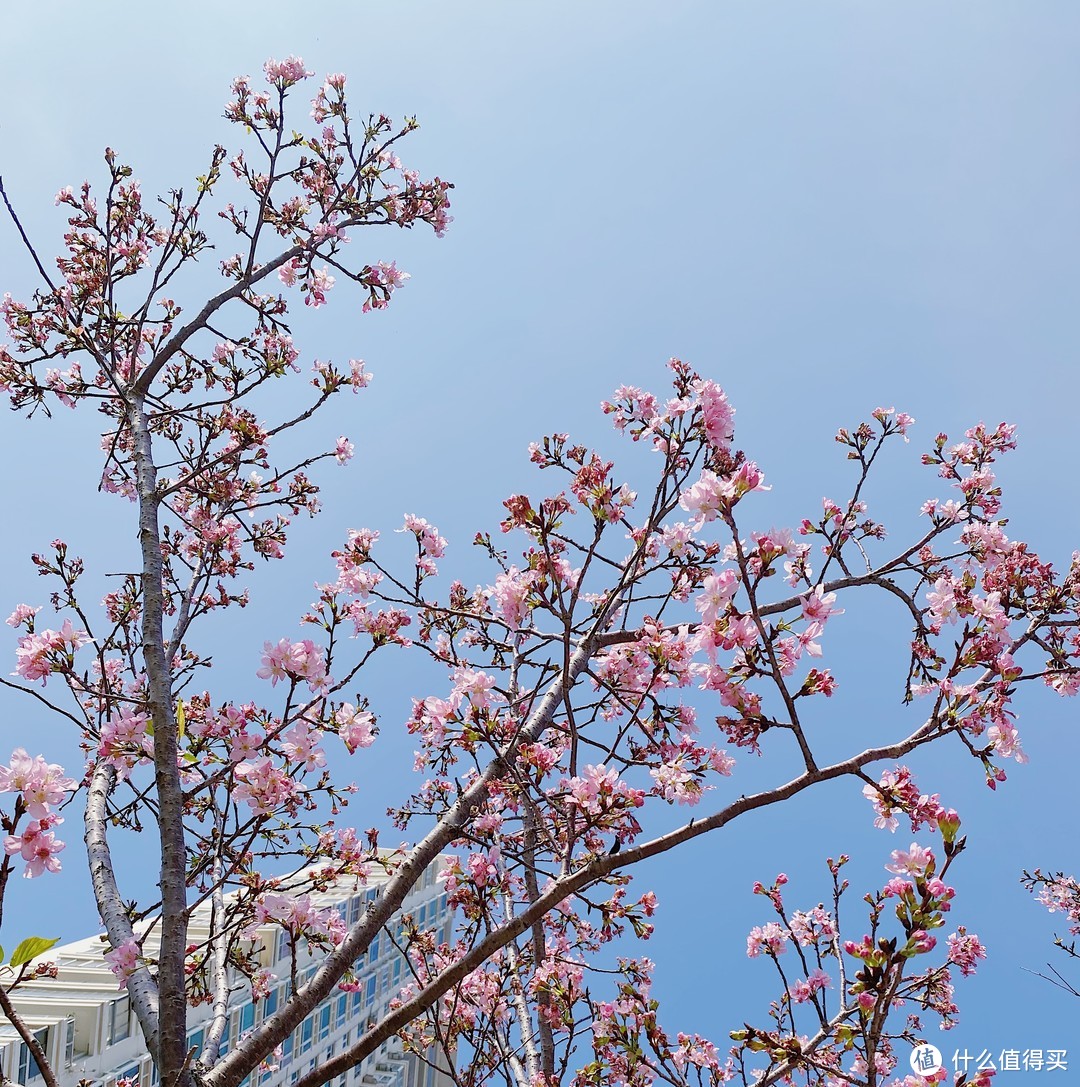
point(289, 271)
point(965, 949)
point(717, 414)
point(914, 860)
point(286, 72)
point(265, 787)
point(42, 784)
point(818, 606)
point(123, 961)
point(359, 377)
point(21, 614)
point(770, 937)
point(355, 727)
point(344, 450)
point(510, 595)
point(38, 846)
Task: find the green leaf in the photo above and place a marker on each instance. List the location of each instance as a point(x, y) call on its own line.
point(30, 948)
point(181, 719)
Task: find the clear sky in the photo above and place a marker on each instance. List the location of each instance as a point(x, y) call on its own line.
point(824, 207)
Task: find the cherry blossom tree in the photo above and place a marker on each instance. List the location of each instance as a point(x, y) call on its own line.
point(642, 638)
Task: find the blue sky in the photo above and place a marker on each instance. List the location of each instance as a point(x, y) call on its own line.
point(824, 207)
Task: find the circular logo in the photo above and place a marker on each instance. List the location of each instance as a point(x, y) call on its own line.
point(925, 1059)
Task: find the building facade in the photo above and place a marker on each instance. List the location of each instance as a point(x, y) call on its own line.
point(86, 1026)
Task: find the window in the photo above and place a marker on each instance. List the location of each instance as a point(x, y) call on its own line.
point(28, 1066)
point(268, 1005)
point(371, 989)
point(287, 1050)
point(130, 1074)
point(281, 948)
point(373, 949)
point(247, 1017)
point(341, 1010)
point(196, 1040)
point(397, 972)
point(324, 1021)
point(307, 1030)
point(118, 1021)
point(69, 1042)
point(357, 1001)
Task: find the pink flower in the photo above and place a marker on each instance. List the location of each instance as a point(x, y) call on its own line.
point(706, 497)
point(287, 272)
point(771, 937)
point(294, 660)
point(124, 960)
point(965, 950)
point(298, 916)
point(318, 283)
point(809, 927)
point(431, 543)
point(41, 783)
point(265, 787)
point(914, 860)
point(675, 783)
point(677, 537)
point(21, 614)
point(717, 415)
point(801, 991)
point(476, 686)
point(38, 846)
point(287, 72)
point(355, 727)
point(125, 740)
point(39, 654)
point(818, 607)
point(484, 867)
point(360, 378)
point(510, 596)
point(344, 450)
point(262, 982)
point(390, 276)
point(301, 744)
point(716, 593)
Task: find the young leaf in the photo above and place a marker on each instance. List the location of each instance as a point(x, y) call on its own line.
point(30, 948)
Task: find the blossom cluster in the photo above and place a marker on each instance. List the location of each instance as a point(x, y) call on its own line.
point(41, 785)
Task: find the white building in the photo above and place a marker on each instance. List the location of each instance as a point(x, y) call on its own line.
point(88, 1031)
